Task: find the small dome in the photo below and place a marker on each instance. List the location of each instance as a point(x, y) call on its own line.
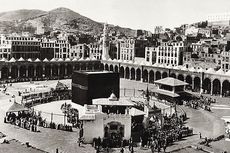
point(21, 59)
point(53, 60)
point(37, 60)
point(228, 73)
point(12, 59)
point(45, 60)
point(60, 60)
point(192, 69)
point(67, 59)
point(29, 60)
point(113, 97)
point(211, 71)
point(75, 59)
point(220, 71)
point(87, 59)
point(131, 62)
point(3, 59)
point(81, 59)
point(115, 59)
point(109, 59)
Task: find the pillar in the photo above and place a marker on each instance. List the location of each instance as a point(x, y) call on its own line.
point(0, 74)
point(58, 70)
point(35, 71)
point(65, 72)
point(27, 72)
point(51, 70)
point(201, 87)
point(211, 88)
point(9, 71)
point(193, 84)
point(221, 90)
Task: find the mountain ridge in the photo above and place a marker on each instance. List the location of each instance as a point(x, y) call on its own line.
point(56, 19)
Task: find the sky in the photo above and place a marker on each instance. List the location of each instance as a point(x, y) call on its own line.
point(136, 14)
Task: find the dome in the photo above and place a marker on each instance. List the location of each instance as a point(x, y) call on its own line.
point(200, 70)
point(53, 60)
point(220, 71)
point(119, 60)
point(67, 60)
point(12, 59)
point(192, 69)
point(228, 73)
point(109, 59)
point(37, 60)
point(75, 59)
point(21, 59)
point(45, 60)
point(3, 59)
point(60, 60)
point(115, 59)
point(29, 60)
point(113, 97)
point(81, 59)
point(184, 68)
point(87, 59)
point(211, 71)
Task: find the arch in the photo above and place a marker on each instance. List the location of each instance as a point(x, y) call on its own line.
point(62, 70)
point(69, 69)
point(102, 67)
point(164, 75)
point(106, 67)
point(14, 71)
point(158, 75)
point(122, 72)
point(151, 76)
point(196, 84)
point(83, 66)
point(132, 74)
point(138, 74)
point(96, 66)
point(116, 68)
point(22, 71)
point(188, 79)
point(226, 88)
point(55, 70)
point(47, 70)
point(173, 75)
point(207, 85)
point(181, 77)
point(30, 71)
point(111, 67)
point(216, 87)
point(5, 73)
point(39, 71)
point(127, 73)
point(90, 66)
point(77, 67)
point(145, 76)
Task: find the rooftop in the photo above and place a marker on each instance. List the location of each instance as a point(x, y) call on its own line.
point(170, 81)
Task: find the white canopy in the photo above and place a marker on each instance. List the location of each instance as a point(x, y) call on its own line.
point(220, 71)
point(12, 59)
point(211, 71)
point(53, 60)
point(67, 59)
point(21, 59)
point(45, 60)
point(75, 59)
point(3, 59)
point(60, 60)
point(37, 60)
point(29, 60)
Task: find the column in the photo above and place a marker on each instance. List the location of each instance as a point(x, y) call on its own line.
point(35, 71)
point(0, 74)
point(58, 70)
point(201, 87)
point(65, 73)
point(193, 84)
point(221, 90)
point(26, 72)
point(18, 72)
point(211, 87)
point(154, 76)
point(51, 70)
point(130, 74)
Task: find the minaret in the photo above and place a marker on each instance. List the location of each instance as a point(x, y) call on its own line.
point(105, 49)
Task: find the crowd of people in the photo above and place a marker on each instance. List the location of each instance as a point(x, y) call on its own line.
point(30, 120)
point(200, 102)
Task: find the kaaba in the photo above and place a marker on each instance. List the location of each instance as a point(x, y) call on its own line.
point(88, 85)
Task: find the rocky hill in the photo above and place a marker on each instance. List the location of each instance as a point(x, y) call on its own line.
point(57, 19)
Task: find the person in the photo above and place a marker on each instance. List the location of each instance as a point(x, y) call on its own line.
point(200, 135)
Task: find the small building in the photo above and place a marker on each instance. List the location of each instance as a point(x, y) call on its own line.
point(88, 85)
point(108, 118)
point(171, 89)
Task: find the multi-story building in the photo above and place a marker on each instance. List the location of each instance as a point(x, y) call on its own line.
point(5, 47)
point(225, 60)
point(79, 51)
point(62, 49)
point(25, 47)
point(127, 49)
point(151, 54)
point(95, 50)
point(47, 49)
point(170, 53)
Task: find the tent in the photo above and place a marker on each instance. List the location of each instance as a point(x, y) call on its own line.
point(17, 108)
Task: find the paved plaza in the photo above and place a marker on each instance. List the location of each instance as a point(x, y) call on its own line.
point(209, 124)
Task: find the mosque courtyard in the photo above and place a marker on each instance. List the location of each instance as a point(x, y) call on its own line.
point(209, 124)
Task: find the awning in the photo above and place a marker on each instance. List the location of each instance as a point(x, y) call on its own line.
point(17, 108)
point(171, 82)
point(167, 93)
